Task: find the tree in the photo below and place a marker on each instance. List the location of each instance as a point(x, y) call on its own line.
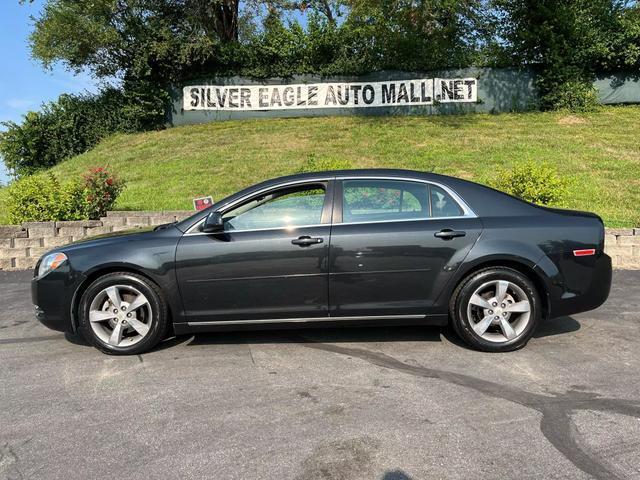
point(166, 40)
point(568, 42)
point(140, 38)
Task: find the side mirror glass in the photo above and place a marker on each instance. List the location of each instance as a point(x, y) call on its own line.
point(213, 223)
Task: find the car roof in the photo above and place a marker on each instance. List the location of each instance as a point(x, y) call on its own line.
point(362, 172)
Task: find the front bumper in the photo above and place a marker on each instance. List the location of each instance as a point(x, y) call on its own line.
point(53, 296)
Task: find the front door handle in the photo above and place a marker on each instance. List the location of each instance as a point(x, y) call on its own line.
point(448, 234)
point(305, 241)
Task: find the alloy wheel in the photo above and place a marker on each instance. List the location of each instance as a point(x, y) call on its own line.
point(499, 311)
point(120, 315)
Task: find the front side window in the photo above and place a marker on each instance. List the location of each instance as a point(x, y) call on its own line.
point(280, 209)
point(380, 200)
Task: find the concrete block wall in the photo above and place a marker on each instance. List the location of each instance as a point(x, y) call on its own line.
point(623, 246)
point(22, 245)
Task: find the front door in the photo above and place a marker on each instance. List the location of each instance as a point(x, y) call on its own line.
point(269, 263)
point(394, 245)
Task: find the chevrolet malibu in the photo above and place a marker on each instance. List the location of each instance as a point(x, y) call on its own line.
point(342, 248)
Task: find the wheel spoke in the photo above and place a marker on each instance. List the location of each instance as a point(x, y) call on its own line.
point(116, 335)
point(482, 325)
point(138, 302)
point(138, 326)
point(100, 316)
point(479, 301)
point(518, 307)
point(507, 329)
point(114, 296)
point(501, 290)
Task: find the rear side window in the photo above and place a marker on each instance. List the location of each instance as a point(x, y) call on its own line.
point(442, 204)
point(387, 200)
point(375, 200)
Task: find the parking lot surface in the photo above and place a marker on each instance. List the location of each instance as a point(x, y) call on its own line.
point(370, 403)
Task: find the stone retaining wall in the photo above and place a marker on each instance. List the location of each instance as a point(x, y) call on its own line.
point(623, 246)
point(22, 245)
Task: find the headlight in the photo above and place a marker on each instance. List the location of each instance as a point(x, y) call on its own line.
point(51, 262)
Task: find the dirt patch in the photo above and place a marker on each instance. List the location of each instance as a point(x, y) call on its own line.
point(571, 120)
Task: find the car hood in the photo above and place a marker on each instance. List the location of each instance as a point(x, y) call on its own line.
point(111, 239)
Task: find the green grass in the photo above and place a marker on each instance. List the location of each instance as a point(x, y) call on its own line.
point(599, 152)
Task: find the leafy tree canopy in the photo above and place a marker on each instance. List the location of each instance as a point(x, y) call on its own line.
point(170, 39)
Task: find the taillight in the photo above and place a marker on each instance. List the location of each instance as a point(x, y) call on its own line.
point(584, 253)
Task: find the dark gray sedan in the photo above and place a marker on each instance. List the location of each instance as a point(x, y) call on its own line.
point(355, 247)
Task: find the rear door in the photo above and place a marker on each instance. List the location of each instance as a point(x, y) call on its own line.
point(394, 245)
point(269, 263)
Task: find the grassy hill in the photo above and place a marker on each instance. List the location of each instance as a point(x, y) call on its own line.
point(600, 152)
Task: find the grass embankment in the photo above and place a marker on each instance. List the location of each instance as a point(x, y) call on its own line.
point(599, 152)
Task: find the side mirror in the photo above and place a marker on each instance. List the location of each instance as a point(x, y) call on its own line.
point(213, 223)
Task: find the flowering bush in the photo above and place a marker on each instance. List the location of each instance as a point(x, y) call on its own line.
point(42, 198)
point(101, 191)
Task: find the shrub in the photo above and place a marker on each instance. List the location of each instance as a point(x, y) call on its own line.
point(534, 182)
point(41, 198)
point(314, 164)
point(101, 189)
point(576, 96)
point(74, 124)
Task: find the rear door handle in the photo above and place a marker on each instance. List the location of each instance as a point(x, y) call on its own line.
point(305, 241)
point(448, 234)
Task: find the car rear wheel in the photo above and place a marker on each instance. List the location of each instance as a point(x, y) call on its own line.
point(123, 314)
point(496, 309)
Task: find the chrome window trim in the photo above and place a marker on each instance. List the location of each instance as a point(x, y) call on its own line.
point(467, 211)
point(303, 320)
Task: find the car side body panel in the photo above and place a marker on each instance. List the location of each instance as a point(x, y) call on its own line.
point(256, 274)
point(395, 267)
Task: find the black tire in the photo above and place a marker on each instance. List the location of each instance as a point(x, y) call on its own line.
point(462, 295)
point(159, 326)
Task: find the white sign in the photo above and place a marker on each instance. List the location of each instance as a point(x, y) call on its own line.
point(330, 95)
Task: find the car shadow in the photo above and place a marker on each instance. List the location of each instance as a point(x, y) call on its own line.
point(557, 326)
point(548, 328)
point(309, 335)
point(396, 475)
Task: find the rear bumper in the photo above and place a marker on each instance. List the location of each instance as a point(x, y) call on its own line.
point(583, 284)
point(53, 297)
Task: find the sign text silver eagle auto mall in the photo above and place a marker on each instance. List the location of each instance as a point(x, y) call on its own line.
point(424, 91)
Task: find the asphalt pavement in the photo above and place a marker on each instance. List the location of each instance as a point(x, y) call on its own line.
point(370, 403)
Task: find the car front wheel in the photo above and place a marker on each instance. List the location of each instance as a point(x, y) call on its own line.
point(495, 309)
point(123, 314)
